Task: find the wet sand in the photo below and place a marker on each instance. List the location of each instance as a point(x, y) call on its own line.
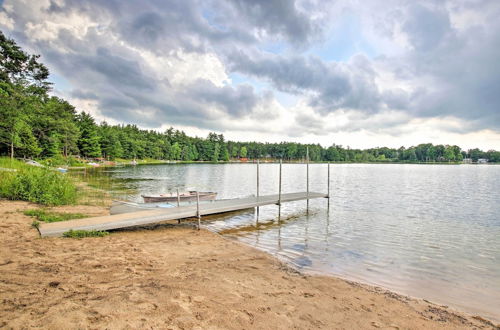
point(181, 278)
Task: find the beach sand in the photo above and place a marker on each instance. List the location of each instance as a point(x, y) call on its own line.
point(181, 278)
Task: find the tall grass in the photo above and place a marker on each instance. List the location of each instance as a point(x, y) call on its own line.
point(48, 216)
point(35, 184)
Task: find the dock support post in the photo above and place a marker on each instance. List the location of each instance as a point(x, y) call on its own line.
point(328, 186)
point(279, 191)
point(257, 189)
point(178, 203)
point(198, 208)
point(307, 177)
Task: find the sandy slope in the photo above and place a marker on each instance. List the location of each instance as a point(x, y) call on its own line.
point(180, 278)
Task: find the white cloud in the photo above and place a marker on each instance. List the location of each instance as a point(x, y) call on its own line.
point(6, 21)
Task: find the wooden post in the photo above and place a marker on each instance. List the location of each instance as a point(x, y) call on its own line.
point(307, 177)
point(198, 208)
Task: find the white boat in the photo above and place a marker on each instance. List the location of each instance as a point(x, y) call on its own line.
point(33, 163)
point(119, 207)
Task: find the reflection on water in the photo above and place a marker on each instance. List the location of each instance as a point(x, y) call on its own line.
point(429, 231)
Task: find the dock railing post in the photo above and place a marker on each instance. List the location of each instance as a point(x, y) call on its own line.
point(198, 208)
point(307, 177)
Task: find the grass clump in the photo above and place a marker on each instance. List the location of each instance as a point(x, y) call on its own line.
point(36, 184)
point(47, 216)
point(84, 233)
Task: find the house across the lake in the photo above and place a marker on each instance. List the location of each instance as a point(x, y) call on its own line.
point(482, 161)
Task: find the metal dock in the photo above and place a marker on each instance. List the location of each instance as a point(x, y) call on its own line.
point(159, 215)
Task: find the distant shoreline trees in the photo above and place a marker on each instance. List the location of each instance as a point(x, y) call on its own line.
point(34, 124)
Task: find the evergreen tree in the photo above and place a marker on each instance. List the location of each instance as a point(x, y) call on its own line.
point(89, 139)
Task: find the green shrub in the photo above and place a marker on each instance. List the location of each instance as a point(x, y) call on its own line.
point(85, 233)
point(46, 216)
point(59, 160)
point(38, 185)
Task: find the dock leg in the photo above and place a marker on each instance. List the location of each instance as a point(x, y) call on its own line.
point(307, 178)
point(328, 188)
point(257, 222)
point(279, 192)
point(178, 203)
point(198, 209)
point(279, 186)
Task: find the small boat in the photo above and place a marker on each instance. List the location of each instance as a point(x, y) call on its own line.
point(33, 163)
point(62, 170)
point(189, 196)
point(119, 207)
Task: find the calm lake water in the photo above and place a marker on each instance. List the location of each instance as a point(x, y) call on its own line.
point(429, 231)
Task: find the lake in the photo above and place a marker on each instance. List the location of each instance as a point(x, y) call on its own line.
point(428, 231)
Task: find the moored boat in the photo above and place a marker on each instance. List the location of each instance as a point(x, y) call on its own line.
point(119, 207)
point(188, 196)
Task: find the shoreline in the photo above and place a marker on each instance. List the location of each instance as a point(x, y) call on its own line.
point(376, 287)
point(177, 277)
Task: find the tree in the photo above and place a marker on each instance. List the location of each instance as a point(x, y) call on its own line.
point(176, 151)
point(15, 127)
point(449, 154)
point(19, 68)
point(224, 156)
point(243, 152)
point(215, 155)
point(89, 139)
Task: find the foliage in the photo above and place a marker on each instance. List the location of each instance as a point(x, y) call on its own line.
point(47, 216)
point(85, 233)
point(39, 185)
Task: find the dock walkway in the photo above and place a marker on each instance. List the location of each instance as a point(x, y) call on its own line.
point(148, 217)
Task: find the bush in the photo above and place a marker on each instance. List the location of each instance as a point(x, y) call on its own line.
point(85, 233)
point(38, 185)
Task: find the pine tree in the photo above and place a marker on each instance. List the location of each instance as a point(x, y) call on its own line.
point(89, 138)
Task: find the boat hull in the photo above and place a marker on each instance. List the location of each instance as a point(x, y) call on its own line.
point(119, 207)
point(204, 196)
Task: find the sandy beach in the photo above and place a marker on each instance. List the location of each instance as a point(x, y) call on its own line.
point(181, 278)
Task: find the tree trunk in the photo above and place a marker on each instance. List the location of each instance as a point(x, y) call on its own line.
point(12, 150)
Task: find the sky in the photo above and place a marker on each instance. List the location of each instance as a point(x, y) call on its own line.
point(354, 73)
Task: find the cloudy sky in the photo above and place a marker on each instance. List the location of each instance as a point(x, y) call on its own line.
point(357, 73)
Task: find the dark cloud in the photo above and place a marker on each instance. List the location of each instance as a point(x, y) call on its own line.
point(278, 17)
point(329, 86)
point(426, 28)
point(460, 67)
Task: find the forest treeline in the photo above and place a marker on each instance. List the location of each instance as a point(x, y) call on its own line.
point(34, 124)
